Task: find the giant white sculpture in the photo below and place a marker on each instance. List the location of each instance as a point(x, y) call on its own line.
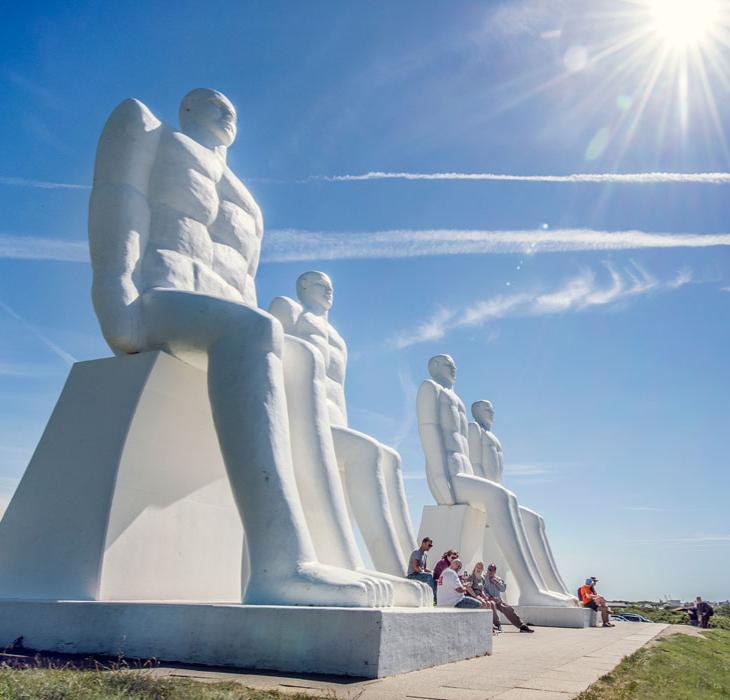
point(370, 470)
point(444, 435)
point(125, 534)
point(487, 459)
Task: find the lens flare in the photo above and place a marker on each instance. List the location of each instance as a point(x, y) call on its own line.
point(683, 23)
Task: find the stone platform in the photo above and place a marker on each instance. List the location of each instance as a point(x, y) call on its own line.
point(555, 617)
point(362, 642)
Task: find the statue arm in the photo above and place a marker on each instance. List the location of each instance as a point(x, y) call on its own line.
point(119, 218)
point(475, 449)
point(429, 427)
point(287, 311)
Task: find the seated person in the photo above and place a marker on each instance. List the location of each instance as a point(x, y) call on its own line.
point(475, 588)
point(590, 599)
point(450, 593)
point(417, 568)
point(443, 563)
point(494, 586)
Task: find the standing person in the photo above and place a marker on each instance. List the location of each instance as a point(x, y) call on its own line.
point(691, 611)
point(590, 599)
point(450, 591)
point(704, 612)
point(444, 562)
point(417, 565)
point(494, 586)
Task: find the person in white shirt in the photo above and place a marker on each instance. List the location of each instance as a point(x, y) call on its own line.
point(450, 593)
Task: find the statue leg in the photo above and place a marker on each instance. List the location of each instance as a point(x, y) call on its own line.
point(396, 493)
point(241, 349)
point(318, 476)
point(510, 536)
point(535, 529)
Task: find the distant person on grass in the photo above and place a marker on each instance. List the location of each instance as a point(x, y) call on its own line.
point(494, 586)
point(691, 611)
point(704, 612)
point(451, 593)
point(417, 565)
point(589, 598)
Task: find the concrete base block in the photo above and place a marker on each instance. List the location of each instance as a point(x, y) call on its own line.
point(363, 642)
point(543, 616)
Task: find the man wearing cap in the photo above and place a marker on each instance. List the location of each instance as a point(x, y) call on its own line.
point(450, 592)
point(494, 586)
point(590, 599)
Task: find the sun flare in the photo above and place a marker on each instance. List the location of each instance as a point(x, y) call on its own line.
point(683, 23)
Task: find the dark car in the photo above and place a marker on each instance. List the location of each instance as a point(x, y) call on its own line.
point(634, 617)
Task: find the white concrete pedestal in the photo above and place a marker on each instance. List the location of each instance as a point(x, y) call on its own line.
point(126, 496)
point(363, 642)
point(543, 616)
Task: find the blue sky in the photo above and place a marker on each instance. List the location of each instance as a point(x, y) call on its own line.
point(605, 354)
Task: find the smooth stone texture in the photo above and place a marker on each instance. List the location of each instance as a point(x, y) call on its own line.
point(444, 434)
point(544, 616)
point(371, 472)
point(368, 643)
point(126, 496)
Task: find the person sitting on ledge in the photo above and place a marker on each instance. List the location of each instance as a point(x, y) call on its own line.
point(450, 592)
point(494, 586)
point(417, 568)
point(590, 599)
point(443, 563)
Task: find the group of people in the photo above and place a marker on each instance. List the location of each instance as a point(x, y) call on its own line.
point(699, 612)
point(480, 589)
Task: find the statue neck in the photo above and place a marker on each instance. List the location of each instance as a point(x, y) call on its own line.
point(445, 383)
point(317, 311)
point(485, 426)
point(205, 138)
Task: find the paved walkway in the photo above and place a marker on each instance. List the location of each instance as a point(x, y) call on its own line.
point(551, 664)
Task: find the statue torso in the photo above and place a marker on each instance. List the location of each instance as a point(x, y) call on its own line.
point(491, 456)
point(320, 332)
point(453, 422)
point(205, 227)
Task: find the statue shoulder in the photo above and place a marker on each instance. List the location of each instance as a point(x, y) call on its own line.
point(127, 146)
point(287, 311)
point(474, 430)
point(427, 401)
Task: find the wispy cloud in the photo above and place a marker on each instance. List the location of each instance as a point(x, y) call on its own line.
point(408, 476)
point(41, 184)
point(516, 17)
point(21, 369)
point(524, 471)
point(646, 509)
point(290, 245)
point(580, 292)
point(34, 330)
point(690, 540)
point(35, 248)
point(623, 178)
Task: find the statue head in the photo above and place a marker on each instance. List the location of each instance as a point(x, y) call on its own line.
point(483, 413)
point(442, 369)
point(208, 117)
point(315, 291)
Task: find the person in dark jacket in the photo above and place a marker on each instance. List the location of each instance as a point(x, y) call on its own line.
point(704, 612)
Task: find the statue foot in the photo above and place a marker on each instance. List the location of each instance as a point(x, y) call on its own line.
point(546, 598)
point(406, 592)
point(312, 583)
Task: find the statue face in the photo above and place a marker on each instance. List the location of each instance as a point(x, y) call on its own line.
point(443, 370)
point(317, 292)
point(483, 412)
point(211, 112)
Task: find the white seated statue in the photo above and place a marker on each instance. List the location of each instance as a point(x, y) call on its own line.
point(487, 460)
point(443, 429)
point(175, 239)
point(370, 470)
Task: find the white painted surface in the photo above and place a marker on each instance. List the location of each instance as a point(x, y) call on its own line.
point(371, 471)
point(453, 480)
point(175, 240)
point(126, 497)
point(344, 641)
point(544, 616)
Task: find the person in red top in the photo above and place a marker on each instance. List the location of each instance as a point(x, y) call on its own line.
point(590, 599)
point(444, 563)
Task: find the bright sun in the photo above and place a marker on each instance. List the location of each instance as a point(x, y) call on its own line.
point(683, 23)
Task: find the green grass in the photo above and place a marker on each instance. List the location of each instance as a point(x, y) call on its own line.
point(680, 667)
point(720, 620)
point(74, 684)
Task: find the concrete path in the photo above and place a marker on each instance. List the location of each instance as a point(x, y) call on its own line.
point(551, 664)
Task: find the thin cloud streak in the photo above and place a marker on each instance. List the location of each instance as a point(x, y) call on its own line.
point(41, 184)
point(579, 293)
point(623, 178)
point(293, 245)
point(36, 248)
point(55, 349)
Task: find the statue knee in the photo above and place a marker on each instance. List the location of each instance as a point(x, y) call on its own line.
point(257, 329)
